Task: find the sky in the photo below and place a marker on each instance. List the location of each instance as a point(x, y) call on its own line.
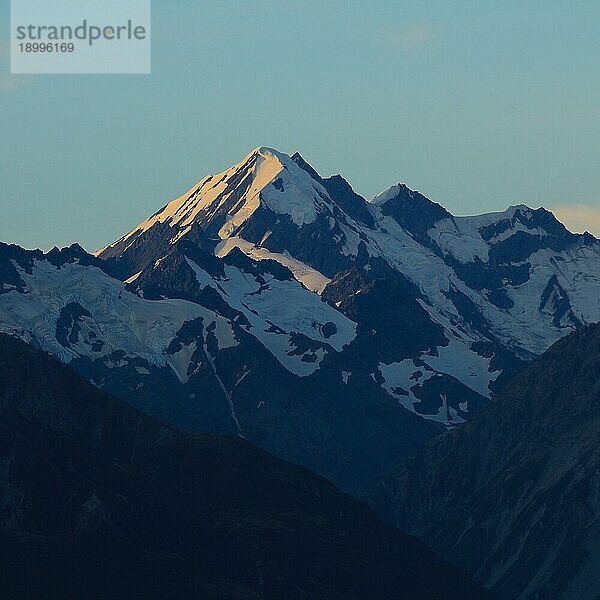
point(477, 104)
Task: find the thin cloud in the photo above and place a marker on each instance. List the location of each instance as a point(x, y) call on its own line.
point(410, 38)
point(579, 218)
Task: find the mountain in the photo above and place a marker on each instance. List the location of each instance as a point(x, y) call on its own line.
point(512, 497)
point(100, 501)
point(275, 304)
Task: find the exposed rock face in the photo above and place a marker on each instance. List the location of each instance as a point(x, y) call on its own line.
point(100, 501)
point(512, 497)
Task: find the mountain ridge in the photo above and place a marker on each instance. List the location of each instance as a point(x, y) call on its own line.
point(522, 517)
point(333, 332)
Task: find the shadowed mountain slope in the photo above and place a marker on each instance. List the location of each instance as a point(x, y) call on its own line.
point(100, 501)
point(513, 496)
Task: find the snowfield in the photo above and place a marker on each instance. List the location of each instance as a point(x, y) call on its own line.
point(501, 287)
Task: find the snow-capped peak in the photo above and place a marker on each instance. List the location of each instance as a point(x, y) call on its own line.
point(390, 193)
point(225, 201)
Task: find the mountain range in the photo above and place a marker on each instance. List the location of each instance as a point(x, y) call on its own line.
point(280, 306)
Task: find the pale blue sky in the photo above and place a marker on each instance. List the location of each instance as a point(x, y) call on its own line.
point(477, 104)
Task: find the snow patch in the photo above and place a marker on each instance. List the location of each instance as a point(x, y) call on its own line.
point(279, 310)
point(121, 320)
point(309, 277)
point(458, 360)
point(400, 377)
